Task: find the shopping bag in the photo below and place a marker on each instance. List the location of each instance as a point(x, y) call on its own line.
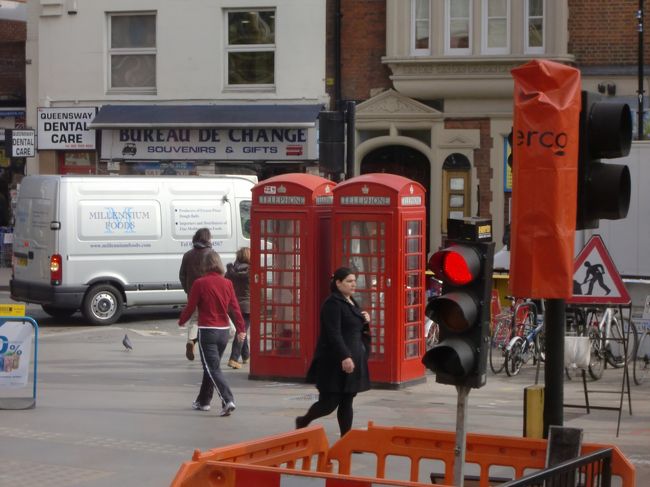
point(577, 352)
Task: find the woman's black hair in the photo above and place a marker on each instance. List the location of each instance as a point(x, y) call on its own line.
point(339, 274)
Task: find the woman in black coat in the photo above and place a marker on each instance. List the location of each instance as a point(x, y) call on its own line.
point(340, 365)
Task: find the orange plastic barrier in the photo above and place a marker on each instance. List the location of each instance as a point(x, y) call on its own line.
point(269, 461)
point(288, 450)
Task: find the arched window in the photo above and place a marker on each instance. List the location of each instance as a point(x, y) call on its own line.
point(455, 188)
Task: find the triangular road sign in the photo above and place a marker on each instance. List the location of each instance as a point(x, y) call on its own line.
point(595, 277)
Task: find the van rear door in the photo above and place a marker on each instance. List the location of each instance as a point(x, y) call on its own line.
point(34, 240)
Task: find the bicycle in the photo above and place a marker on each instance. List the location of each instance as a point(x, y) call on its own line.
point(641, 367)
point(613, 339)
point(522, 348)
point(521, 315)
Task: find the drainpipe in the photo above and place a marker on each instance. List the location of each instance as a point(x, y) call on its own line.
point(337, 55)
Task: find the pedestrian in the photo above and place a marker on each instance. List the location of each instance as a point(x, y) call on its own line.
point(237, 272)
point(214, 296)
point(191, 270)
point(340, 364)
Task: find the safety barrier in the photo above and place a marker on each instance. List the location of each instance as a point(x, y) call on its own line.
point(591, 470)
point(273, 458)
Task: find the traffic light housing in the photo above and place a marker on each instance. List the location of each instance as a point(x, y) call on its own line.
point(331, 141)
point(605, 133)
point(462, 311)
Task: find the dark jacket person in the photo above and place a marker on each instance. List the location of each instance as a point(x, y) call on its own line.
point(340, 365)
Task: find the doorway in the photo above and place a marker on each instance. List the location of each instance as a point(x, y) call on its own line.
point(404, 161)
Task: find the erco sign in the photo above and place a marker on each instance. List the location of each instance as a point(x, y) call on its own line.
point(66, 128)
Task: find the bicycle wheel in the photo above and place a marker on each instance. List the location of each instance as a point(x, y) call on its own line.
point(620, 331)
point(515, 357)
point(498, 343)
point(642, 360)
point(597, 355)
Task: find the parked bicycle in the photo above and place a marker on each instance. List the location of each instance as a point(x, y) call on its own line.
point(521, 315)
point(613, 339)
point(642, 354)
point(522, 348)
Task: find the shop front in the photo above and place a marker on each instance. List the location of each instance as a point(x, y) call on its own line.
point(264, 140)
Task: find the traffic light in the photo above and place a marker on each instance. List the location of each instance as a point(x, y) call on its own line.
point(331, 141)
point(462, 311)
point(605, 133)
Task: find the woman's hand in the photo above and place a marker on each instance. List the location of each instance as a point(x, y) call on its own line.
point(241, 336)
point(347, 365)
point(366, 316)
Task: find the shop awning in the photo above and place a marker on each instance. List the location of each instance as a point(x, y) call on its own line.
point(185, 116)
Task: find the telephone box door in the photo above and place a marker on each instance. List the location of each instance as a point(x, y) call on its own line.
point(280, 276)
point(363, 248)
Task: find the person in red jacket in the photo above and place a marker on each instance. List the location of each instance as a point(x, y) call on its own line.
point(214, 296)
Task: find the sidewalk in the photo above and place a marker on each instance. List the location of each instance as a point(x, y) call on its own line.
point(106, 417)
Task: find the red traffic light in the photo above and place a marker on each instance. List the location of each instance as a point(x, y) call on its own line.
point(457, 265)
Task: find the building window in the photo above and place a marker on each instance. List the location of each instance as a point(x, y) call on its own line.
point(455, 190)
point(132, 53)
point(420, 27)
point(534, 29)
point(251, 48)
point(458, 27)
point(496, 27)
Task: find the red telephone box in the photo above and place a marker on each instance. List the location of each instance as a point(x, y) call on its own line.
point(379, 223)
point(290, 268)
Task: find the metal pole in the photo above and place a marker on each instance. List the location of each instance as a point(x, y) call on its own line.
point(461, 427)
point(350, 110)
point(639, 16)
point(554, 364)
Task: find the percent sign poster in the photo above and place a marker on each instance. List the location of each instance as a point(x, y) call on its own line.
point(15, 349)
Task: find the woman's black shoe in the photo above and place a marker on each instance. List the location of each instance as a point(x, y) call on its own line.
point(301, 422)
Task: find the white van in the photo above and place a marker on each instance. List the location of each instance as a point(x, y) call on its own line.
point(101, 243)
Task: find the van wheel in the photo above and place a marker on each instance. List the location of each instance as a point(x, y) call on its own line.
point(56, 312)
point(103, 305)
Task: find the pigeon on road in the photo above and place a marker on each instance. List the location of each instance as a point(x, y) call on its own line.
point(127, 343)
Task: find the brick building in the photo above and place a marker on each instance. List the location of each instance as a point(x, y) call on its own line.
point(433, 88)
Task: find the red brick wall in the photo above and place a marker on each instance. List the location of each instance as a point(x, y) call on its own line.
point(604, 32)
point(481, 159)
point(12, 58)
point(363, 43)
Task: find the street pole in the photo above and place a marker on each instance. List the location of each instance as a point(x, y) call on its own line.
point(554, 364)
point(461, 431)
point(639, 16)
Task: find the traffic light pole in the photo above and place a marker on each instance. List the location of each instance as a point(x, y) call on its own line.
point(461, 427)
point(554, 364)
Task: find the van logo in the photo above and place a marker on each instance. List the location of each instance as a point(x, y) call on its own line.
point(269, 190)
point(129, 149)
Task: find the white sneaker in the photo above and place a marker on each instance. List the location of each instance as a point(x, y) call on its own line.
point(198, 407)
point(227, 409)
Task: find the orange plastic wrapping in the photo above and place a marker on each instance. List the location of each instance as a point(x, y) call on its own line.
point(545, 175)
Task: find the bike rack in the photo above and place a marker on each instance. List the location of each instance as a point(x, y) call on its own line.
point(22, 402)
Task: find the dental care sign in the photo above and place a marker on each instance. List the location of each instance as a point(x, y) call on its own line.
point(279, 143)
point(65, 128)
point(15, 350)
